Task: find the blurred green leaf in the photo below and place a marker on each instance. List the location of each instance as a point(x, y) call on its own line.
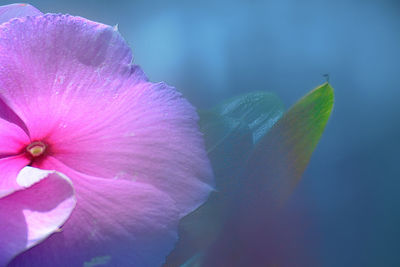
point(280, 158)
point(259, 230)
point(230, 131)
point(228, 143)
point(258, 110)
point(243, 219)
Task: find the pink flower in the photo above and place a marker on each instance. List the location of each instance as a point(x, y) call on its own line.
point(97, 164)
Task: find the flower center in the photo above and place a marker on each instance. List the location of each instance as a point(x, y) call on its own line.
point(36, 149)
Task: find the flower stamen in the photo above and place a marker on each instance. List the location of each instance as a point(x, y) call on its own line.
point(36, 149)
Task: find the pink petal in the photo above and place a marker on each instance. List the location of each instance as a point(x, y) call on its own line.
point(9, 169)
point(149, 134)
point(122, 223)
point(29, 216)
point(8, 12)
point(12, 139)
point(106, 120)
point(47, 60)
point(6, 113)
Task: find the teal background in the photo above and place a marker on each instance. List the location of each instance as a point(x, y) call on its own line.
point(212, 50)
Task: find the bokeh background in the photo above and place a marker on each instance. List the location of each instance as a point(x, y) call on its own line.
point(212, 50)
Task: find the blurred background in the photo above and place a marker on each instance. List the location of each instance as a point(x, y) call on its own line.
point(212, 50)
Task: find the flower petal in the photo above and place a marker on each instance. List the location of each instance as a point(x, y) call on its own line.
point(46, 60)
point(119, 222)
point(8, 12)
point(6, 113)
point(12, 139)
point(156, 142)
point(9, 168)
point(29, 216)
point(106, 120)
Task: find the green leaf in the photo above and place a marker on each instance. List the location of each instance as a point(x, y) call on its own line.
point(230, 131)
point(280, 158)
point(228, 142)
point(258, 110)
point(259, 229)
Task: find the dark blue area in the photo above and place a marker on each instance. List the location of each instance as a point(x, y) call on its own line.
point(212, 50)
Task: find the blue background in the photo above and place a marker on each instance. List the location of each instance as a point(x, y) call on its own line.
point(212, 50)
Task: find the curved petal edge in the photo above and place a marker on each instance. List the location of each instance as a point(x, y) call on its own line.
point(30, 215)
point(12, 11)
